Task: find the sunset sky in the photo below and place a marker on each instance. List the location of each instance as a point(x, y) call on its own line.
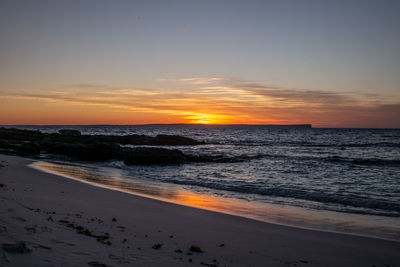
point(328, 63)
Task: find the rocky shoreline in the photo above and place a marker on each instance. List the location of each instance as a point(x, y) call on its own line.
point(98, 148)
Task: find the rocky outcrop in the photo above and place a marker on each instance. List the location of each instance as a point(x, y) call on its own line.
point(155, 156)
point(76, 146)
point(69, 132)
point(75, 136)
point(20, 135)
point(85, 152)
point(73, 144)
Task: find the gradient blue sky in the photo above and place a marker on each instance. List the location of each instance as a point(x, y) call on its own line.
point(339, 58)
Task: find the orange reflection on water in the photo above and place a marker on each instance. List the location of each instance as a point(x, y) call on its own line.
point(170, 193)
point(202, 201)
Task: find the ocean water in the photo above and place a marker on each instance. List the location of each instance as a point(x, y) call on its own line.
point(345, 180)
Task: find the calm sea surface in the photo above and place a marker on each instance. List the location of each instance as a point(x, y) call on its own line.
point(345, 180)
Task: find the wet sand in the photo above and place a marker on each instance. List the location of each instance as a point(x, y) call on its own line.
point(49, 220)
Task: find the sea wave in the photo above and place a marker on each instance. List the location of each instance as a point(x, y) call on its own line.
point(366, 161)
point(251, 143)
point(331, 159)
point(371, 206)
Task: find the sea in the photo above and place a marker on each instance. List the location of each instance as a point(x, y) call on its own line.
point(337, 180)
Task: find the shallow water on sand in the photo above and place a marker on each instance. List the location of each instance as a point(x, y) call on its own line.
point(117, 179)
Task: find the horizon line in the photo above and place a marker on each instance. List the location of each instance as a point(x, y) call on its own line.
point(302, 125)
point(162, 124)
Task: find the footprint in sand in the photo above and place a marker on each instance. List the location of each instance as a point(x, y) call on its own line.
point(3, 230)
point(31, 229)
point(19, 219)
point(57, 241)
point(80, 253)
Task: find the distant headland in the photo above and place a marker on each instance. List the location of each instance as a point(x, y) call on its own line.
point(234, 125)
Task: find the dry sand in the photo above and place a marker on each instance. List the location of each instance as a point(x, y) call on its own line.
point(47, 220)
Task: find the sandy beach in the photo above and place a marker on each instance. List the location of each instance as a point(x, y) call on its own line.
point(48, 220)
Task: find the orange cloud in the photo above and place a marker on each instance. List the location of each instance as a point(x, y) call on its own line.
point(198, 100)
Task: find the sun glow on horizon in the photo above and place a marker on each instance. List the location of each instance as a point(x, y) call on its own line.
point(208, 118)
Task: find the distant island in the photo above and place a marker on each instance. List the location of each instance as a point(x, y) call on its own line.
point(308, 126)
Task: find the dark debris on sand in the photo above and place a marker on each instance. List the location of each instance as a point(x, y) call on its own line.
point(208, 264)
point(156, 246)
point(197, 249)
point(16, 248)
point(96, 264)
point(84, 231)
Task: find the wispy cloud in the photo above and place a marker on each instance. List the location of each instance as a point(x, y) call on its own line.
point(196, 80)
point(229, 100)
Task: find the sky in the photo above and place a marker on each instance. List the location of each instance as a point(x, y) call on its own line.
point(328, 63)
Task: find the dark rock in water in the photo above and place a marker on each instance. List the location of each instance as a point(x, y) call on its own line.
point(23, 148)
point(154, 156)
point(160, 140)
point(20, 135)
point(6, 145)
point(175, 140)
point(70, 132)
point(28, 148)
point(73, 144)
point(75, 136)
point(86, 152)
point(17, 248)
